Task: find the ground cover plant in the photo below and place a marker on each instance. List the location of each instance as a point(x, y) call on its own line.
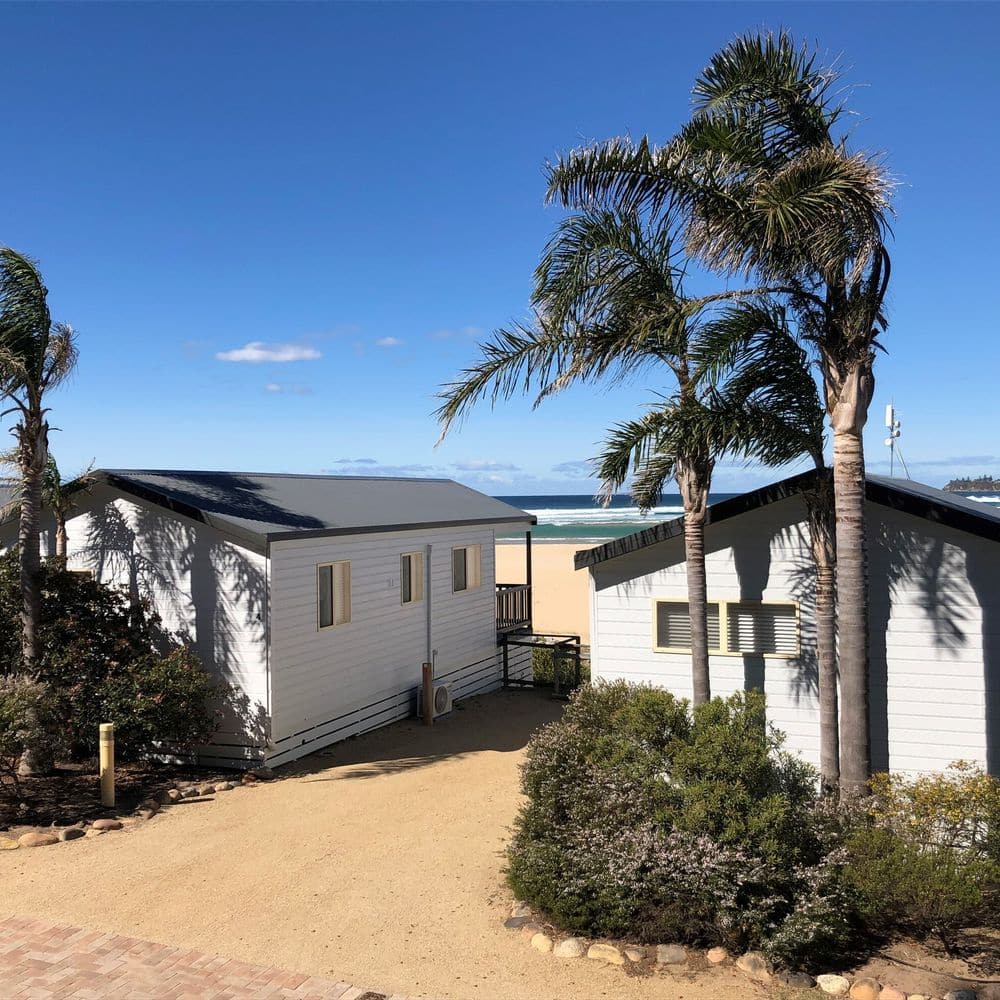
point(651, 821)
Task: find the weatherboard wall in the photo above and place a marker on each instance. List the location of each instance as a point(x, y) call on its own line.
point(935, 604)
point(328, 684)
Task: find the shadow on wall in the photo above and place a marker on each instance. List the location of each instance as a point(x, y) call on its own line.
point(206, 589)
point(910, 567)
point(983, 568)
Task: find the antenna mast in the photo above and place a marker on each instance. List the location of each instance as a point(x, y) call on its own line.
point(895, 428)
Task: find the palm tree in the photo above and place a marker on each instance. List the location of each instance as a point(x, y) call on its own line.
point(609, 302)
point(35, 356)
point(767, 189)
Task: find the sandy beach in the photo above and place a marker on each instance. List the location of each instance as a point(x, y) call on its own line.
point(560, 593)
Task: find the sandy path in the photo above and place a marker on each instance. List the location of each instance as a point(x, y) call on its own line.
point(379, 865)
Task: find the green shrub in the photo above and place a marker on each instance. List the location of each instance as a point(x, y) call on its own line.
point(645, 820)
point(926, 862)
point(543, 662)
point(28, 725)
point(107, 658)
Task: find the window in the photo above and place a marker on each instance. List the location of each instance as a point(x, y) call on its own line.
point(466, 565)
point(735, 628)
point(411, 577)
point(333, 592)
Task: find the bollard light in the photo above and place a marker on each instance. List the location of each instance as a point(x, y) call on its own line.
point(107, 758)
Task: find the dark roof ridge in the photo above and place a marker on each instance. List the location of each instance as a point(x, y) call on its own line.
point(273, 475)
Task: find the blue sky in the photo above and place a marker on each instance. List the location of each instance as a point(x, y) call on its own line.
point(360, 188)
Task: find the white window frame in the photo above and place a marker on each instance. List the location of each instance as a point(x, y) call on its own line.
point(478, 567)
point(724, 627)
point(416, 579)
point(320, 627)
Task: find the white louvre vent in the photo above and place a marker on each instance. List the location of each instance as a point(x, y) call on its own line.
point(673, 625)
point(764, 629)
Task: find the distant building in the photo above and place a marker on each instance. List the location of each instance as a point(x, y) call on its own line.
point(934, 562)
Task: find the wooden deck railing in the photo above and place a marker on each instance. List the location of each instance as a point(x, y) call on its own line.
point(513, 606)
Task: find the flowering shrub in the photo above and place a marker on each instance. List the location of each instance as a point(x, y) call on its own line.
point(107, 658)
point(649, 821)
point(927, 860)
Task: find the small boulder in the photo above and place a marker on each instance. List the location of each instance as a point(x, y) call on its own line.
point(542, 942)
point(6, 844)
point(796, 980)
point(634, 953)
point(38, 839)
point(263, 773)
point(891, 993)
point(189, 792)
point(151, 804)
point(570, 948)
point(206, 789)
point(756, 966)
point(519, 909)
point(71, 833)
point(224, 786)
point(530, 929)
point(865, 989)
point(960, 995)
point(145, 813)
point(601, 952)
point(836, 986)
point(717, 955)
point(513, 923)
point(106, 824)
point(249, 778)
point(170, 796)
point(670, 954)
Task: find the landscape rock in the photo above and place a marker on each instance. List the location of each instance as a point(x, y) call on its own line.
point(530, 929)
point(717, 955)
point(834, 985)
point(865, 989)
point(146, 813)
point(797, 980)
point(38, 839)
point(151, 804)
point(891, 993)
point(634, 953)
point(513, 923)
point(206, 789)
point(601, 952)
point(71, 833)
point(106, 824)
point(542, 942)
point(756, 966)
point(520, 909)
point(264, 773)
point(570, 948)
point(189, 793)
point(170, 795)
point(249, 778)
point(670, 954)
point(224, 786)
point(960, 995)
point(6, 844)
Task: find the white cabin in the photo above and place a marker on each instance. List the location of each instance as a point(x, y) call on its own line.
point(316, 598)
point(934, 561)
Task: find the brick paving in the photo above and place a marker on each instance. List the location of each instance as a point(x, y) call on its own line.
point(40, 960)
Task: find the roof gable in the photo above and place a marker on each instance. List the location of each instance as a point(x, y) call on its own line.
point(900, 494)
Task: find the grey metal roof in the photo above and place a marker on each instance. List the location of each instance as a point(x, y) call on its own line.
point(901, 494)
point(263, 507)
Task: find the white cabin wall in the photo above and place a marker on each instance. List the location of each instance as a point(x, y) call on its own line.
point(208, 589)
point(334, 683)
point(935, 597)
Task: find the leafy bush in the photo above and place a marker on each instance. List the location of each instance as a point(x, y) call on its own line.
point(926, 860)
point(646, 820)
point(543, 663)
point(28, 724)
point(107, 658)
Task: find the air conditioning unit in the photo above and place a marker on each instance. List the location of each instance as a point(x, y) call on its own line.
point(441, 698)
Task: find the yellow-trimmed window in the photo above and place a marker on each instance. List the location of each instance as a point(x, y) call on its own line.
point(333, 594)
point(466, 567)
point(735, 628)
point(411, 577)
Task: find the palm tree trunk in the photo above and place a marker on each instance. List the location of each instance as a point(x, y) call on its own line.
point(32, 435)
point(693, 480)
point(821, 531)
point(852, 389)
point(60, 536)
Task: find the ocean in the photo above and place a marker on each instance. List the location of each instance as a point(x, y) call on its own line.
point(579, 518)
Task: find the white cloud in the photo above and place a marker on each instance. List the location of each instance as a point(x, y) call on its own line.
point(485, 465)
point(256, 352)
point(388, 342)
point(581, 469)
point(465, 331)
point(292, 388)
